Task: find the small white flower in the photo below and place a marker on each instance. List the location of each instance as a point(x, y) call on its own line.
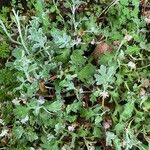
point(71, 128)
point(24, 18)
point(104, 94)
point(147, 20)
point(10, 93)
point(80, 90)
point(107, 125)
point(93, 42)
point(131, 65)
point(128, 37)
point(41, 100)
point(83, 104)
point(64, 147)
point(24, 120)
point(16, 102)
point(4, 133)
point(91, 147)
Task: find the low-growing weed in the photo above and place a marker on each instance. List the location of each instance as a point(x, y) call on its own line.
point(62, 98)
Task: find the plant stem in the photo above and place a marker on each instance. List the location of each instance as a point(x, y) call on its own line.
point(19, 30)
point(6, 32)
point(58, 11)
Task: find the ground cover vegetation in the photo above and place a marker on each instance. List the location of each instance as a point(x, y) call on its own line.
point(75, 75)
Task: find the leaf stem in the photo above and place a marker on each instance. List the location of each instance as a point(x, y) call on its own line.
point(19, 30)
point(6, 32)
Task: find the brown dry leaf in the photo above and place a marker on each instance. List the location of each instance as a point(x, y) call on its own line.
point(53, 78)
point(147, 136)
point(116, 43)
point(142, 92)
point(42, 88)
point(81, 33)
point(146, 15)
point(144, 2)
point(100, 49)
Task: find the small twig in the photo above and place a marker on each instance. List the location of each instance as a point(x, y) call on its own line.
point(144, 66)
point(19, 30)
point(122, 42)
point(86, 92)
point(3, 148)
point(108, 7)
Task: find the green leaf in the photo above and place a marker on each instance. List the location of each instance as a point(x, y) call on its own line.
point(97, 132)
point(117, 144)
point(105, 58)
point(59, 127)
point(64, 57)
point(18, 53)
point(131, 140)
point(70, 118)
point(146, 105)
point(94, 95)
point(133, 50)
point(21, 111)
point(91, 25)
point(67, 83)
point(124, 2)
point(31, 135)
point(120, 128)
point(61, 39)
point(55, 106)
point(31, 89)
point(18, 132)
point(35, 35)
point(41, 13)
point(83, 132)
point(74, 107)
point(49, 145)
point(127, 112)
point(105, 76)
point(98, 120)
point(87, 113)
point(77, 59)
point(87, 72)
point(110, 137)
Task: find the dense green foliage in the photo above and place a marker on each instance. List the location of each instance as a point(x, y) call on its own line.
point(53, 95)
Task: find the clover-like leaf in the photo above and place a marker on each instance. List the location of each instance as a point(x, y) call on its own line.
point(105, 76)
